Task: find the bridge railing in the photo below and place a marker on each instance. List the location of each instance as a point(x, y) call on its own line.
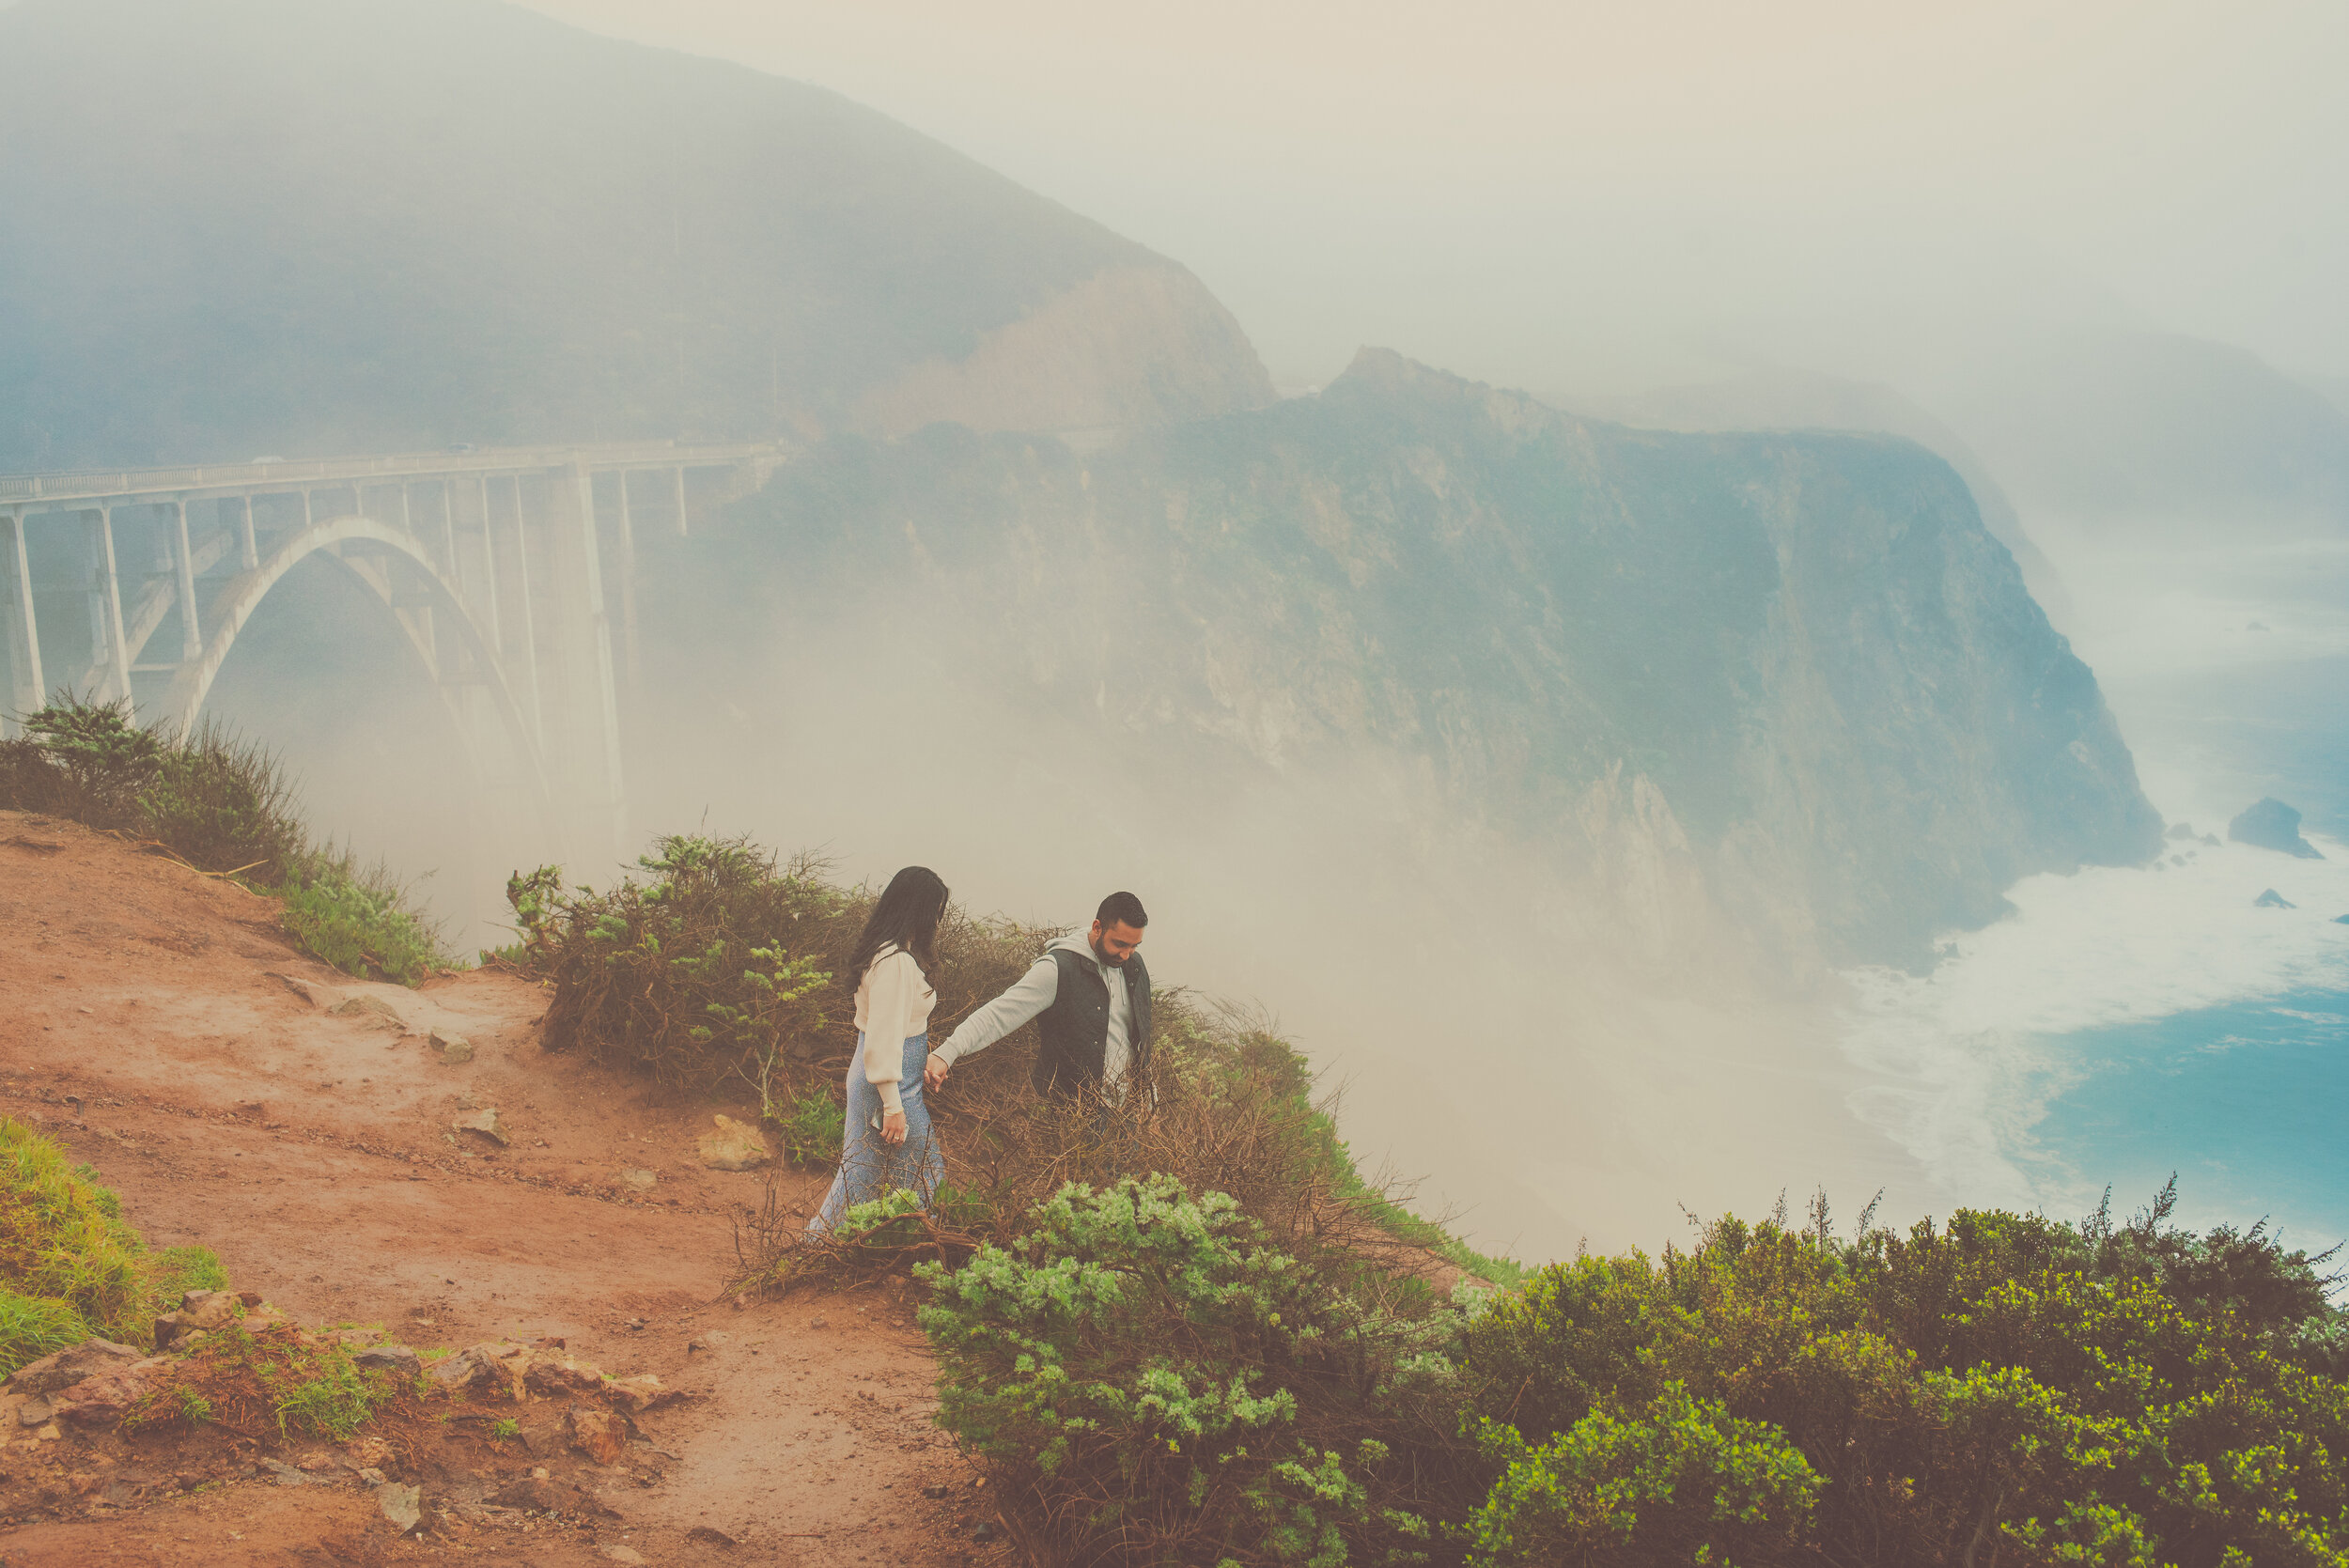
point(91, 484)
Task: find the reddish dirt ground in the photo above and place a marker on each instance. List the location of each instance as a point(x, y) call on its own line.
point(146, 1027)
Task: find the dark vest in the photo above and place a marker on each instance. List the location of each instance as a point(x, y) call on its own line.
point(1076, 1028)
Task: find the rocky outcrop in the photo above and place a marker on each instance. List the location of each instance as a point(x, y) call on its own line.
point(2272, 825)
point(1783, 683)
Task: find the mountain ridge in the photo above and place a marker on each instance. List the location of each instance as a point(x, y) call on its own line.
point(458, 220)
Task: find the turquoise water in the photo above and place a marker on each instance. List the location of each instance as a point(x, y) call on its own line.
point(2248, 1101)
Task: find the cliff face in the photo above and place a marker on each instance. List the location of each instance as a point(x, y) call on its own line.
point(292, 226)
point(1787, 682)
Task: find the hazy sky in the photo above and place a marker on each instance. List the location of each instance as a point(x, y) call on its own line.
point(1564, 194)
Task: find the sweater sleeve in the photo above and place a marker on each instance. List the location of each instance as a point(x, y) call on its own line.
point(895, 983)
point(1030, 994)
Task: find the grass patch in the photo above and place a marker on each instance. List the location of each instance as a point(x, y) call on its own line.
point(63, 1241)
point(178, 1270)
point(810, 1126)
point(223, 805)
point(71, 1266)
point(32, 1326)
point(256, 1384)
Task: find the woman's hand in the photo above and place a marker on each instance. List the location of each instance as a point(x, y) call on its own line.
point(934, 1071)
point(893, 1127)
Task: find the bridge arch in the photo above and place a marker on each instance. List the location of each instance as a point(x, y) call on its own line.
point(416, 579)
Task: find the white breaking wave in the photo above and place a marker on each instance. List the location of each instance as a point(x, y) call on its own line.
point(1964, 1062)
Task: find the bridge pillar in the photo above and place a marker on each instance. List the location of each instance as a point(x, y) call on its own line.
point(627, 592)
point(680, 501)
point(248, 548)
point(530, 619)
point(583, 745)
point(110, 657)
point(27, 691)
point(183, 564)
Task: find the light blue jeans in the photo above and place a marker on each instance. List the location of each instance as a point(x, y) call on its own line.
point(869, 1166)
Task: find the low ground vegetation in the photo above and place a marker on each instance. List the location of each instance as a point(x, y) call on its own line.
point(224, 806)
point(70, 1268)
point(1187, 1329)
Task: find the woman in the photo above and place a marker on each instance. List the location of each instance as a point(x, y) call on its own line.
point(887, 1142)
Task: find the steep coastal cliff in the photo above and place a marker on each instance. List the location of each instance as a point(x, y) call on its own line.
point(1787, 681)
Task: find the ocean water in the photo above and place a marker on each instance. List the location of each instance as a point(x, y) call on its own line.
point(2125, 1024)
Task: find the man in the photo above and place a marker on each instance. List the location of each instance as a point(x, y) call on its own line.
point(1091, 998)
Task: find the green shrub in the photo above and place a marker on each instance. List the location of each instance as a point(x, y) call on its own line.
point(811, 1127)
point(358, 919)
point(714, 966)
point(2005, 1384)
point(1150, 1382)
point(1680, 1479)
point(222, 805)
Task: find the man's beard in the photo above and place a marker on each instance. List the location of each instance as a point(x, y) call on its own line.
point(1106, 957)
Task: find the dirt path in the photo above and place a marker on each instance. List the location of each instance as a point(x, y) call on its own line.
point(154, 1022)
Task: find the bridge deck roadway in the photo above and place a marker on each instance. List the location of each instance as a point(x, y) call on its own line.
point(38, 493)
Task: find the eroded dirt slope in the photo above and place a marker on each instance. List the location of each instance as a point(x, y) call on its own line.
point(156, 1023)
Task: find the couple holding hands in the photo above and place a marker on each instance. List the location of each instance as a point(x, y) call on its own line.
point(1090, 996)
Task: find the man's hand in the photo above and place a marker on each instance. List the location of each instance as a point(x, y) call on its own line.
point(893, 1127)
point(934, 1071)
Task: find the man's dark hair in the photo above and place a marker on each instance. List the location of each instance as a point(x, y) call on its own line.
point(1121, 908)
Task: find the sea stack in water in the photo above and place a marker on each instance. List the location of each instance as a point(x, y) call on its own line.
point(2273, 825)
point(2271, 899)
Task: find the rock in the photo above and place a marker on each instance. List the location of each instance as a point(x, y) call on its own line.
point(735, 1146)
point(2271, 899)
point(299, 988)
point(375, 1007)
point(397, 1359)
point(533, 1492)
point(600, 1435)
point(642, 1181)
point(366, 1454)
point(935, 1491)
point(455, 1048)
point(2181, 830)
point(711, 1340)
point(402, 1505)
point(70, 1365)
point(372, 1476)
point(641, 1394)
point(264, 1318)
point(557, 1375)
point(108, 1396)
point(478, 1367)
point(287, 1474)
point(484, 1121)
point(819, 1321)
point(987, 1529)
point(34, 1411)
point(713, 1537)
point(2272, 825)
point(624, 1554)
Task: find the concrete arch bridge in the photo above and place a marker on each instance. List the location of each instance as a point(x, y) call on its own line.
point(511, 573)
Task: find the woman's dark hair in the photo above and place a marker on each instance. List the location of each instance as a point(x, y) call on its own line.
point(907, 916)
